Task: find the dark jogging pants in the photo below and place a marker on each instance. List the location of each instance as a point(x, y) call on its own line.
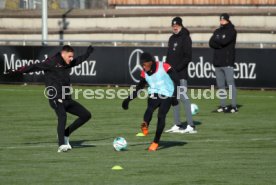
point(164, 105)
point(72, 107)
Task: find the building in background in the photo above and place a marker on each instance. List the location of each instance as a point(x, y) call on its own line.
point(141, 22)
point(53, 4)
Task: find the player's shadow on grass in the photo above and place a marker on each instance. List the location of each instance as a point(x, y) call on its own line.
point(39, 143)
point(81, 144)
point(85, 143)
point(163, 144)
point(169, 144)
point(74, 144)
point(195, 123)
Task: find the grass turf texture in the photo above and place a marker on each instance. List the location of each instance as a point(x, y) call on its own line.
point(228, 148)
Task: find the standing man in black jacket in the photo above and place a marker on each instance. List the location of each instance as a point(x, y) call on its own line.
point(57, 81)
point(223, 42)
point(179, 55)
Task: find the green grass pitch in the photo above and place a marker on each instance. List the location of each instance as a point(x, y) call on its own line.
point(234, 149)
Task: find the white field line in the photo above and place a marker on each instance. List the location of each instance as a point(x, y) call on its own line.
point(22, 90)
point(195, 94)
point(134, 143)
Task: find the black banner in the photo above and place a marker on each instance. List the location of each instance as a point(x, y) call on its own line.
point(120, 65)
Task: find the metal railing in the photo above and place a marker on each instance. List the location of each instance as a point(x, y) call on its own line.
point(115, 43)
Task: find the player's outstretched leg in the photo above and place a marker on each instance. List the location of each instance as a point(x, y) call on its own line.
point(83, 116)
point(152, 105)
point(162, 112)
point(59, 108)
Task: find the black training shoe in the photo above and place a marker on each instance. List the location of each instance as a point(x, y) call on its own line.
point(222, 109)
point(233, 109)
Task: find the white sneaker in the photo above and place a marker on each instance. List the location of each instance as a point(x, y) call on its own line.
point(175, 128)
point(189, 130)
point(66, 142)
point(222, 109)
point(62, 148)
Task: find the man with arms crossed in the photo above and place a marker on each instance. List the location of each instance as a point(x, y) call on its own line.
point(223, 43)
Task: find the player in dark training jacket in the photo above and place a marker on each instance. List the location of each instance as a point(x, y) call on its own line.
point(223, 42)
point(57, 81)
point(179, 55)
point(162, 81)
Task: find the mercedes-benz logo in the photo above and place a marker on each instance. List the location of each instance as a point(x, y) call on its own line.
point(134, 66)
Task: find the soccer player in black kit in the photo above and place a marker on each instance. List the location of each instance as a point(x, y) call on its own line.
point(57, 79)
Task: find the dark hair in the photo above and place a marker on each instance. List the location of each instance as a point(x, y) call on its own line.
point(146, 57)
point(67, 48)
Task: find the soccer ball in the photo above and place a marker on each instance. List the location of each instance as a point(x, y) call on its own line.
point(194, 109)
point(120, 144)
